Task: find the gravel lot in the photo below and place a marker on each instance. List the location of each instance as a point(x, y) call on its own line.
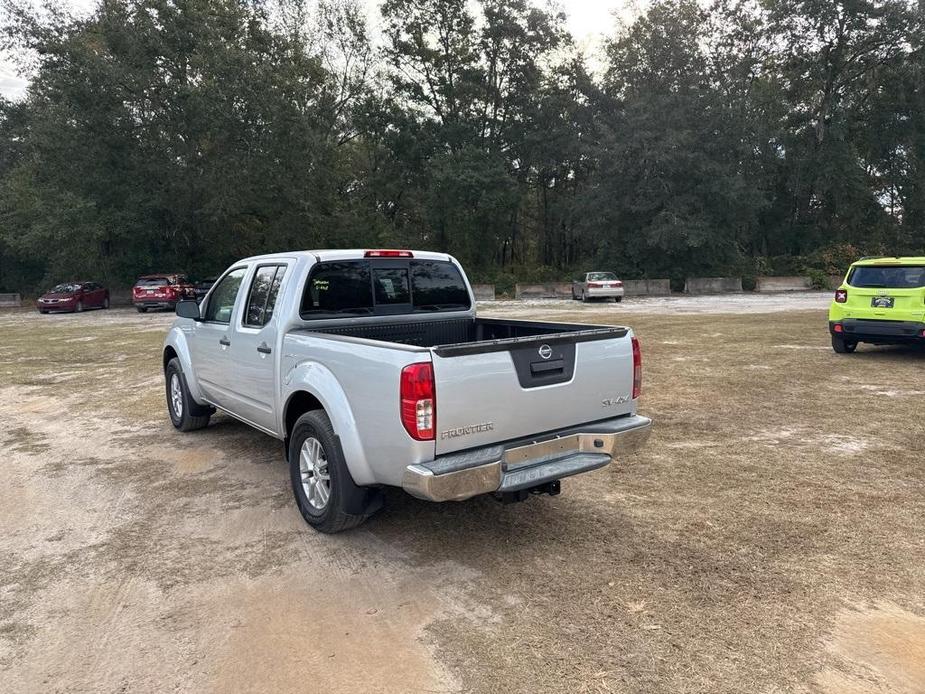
point(768, 539)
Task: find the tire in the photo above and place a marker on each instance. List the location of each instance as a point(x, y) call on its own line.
point(79, 307)
point(43, 312)
point(584, 298)
point(618, 299)
point(106, 302)
point(314, 452)
point(141, 309)
point(843, 346)
point(185, 413)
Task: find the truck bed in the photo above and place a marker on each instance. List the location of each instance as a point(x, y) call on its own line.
point(460, 336)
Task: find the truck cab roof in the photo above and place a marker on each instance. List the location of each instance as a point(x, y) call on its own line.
point(325, 255)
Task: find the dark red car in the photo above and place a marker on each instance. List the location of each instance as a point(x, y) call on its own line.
point(73, 296)
point(162, 290)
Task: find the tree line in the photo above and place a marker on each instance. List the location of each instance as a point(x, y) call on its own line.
point(747, 136)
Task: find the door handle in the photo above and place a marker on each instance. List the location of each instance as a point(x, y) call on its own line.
point(264, 348)
point(224, 342)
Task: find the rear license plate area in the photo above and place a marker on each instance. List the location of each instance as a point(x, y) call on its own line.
point(882, 302)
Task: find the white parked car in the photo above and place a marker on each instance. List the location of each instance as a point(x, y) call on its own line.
point(597, 285)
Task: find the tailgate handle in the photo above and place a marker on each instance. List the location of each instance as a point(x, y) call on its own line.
point(547, 367)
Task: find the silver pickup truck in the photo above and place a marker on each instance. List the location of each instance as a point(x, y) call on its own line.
point(374, 369)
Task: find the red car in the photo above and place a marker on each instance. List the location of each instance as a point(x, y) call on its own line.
point(161, 291)
point(73, 296)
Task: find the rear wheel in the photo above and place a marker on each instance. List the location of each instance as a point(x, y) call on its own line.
point(584, 297)
point(106, 302)
point(141, 309)
point(843, 346)
point(618, 299)
point(79, 307)
point(185, 413)
point(325, 493)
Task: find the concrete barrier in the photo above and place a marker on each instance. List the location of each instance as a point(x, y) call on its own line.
point(713, 285)
point(549, 290)
point(647, 287)
point(120, 297)
point(783, 284)
point(10, 300)
point(484, 292)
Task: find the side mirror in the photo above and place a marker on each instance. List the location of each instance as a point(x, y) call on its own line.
point(188, 309)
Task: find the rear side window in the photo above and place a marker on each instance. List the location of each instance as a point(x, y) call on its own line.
point(222, 298)
point(439, 285)
point(261, 300)
point(888, 277)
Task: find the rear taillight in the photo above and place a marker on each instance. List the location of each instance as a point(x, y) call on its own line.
point(419, 401)
point(841, 296)
point(637, 369)
point(594, 285)
point(618, 283)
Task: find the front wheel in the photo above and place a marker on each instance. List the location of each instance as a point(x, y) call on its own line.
point(325, 493)
point(843, 346)
point(79, 307)
point(106, 302)
point(141, 309)
point(185, 413)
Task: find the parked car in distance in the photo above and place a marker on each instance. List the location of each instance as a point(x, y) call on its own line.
point(202, 287)
point(881, 302)
point(597, 285)
point(73, 297)
point(161, 290)
point(374, 370)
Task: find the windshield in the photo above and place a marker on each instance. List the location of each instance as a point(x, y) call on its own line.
point(891, 276)
point(152, 282)
point(64, 289)
point(601, 277)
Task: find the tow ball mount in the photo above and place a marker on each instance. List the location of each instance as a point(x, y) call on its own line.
point(552, 488)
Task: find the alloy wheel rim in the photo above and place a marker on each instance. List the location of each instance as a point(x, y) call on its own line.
point(313, 469)
point(176, 395)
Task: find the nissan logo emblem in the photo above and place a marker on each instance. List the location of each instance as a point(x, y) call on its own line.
point(545, 351)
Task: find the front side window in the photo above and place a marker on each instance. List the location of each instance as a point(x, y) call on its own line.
point(261, 300)
point(888, 277)
point(221, 301)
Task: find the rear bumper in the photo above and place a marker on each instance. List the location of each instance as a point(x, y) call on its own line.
point(592, 293)
point(524, 464)
point(156, 304)
point(878, 331)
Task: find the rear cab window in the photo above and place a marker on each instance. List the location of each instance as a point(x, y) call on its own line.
point(383, 287)
point(887, 276)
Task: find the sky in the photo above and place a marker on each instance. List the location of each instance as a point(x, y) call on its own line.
point(588, 20)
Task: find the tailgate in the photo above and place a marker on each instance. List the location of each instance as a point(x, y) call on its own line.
point(886, 303)
point(508, 389)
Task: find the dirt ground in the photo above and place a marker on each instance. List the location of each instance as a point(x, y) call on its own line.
point(769, 538)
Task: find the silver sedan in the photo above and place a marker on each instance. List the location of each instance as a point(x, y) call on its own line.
point(597, 285)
